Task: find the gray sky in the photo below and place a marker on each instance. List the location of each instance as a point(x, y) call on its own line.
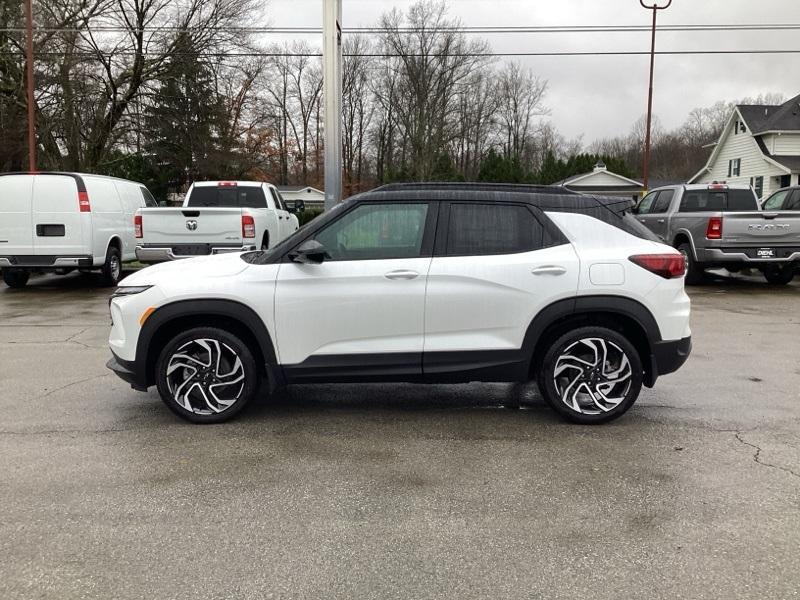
point(601, 96)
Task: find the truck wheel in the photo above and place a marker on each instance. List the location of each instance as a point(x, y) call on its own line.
point(16, 278)
point(778, 275)
point(695, 273)
point(112, 268)
point(591, 375)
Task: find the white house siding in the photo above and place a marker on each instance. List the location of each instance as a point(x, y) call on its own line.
point(598, 179)
point(785, 144)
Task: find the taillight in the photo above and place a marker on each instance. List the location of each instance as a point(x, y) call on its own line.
point(83, 202)
point(714, 229)
point(137, 226)
point(226, 184)
point(248, 226)
point(668, 266)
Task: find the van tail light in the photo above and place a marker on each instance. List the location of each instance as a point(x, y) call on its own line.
point(83, 202)
point(668, 266)
point(714, 229)
point(137, 226)
point(248, 226)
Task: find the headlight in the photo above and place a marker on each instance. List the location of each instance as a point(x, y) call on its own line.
point(130, 290)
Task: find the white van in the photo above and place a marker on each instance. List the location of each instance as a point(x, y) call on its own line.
point(65, 221)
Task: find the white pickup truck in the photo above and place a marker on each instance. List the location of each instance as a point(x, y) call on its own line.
point(216, 217)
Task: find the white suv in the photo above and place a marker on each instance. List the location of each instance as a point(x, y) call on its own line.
point(424, 283)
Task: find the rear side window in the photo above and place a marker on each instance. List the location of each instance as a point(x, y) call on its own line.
point(664, 200)
point(478, 229)
point(149, 201)
point(718, 200)
point(794, 202)
point(227, 197)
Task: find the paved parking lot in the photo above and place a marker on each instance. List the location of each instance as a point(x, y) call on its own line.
point(400, 491)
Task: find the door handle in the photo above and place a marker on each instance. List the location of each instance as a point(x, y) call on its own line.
point(549, 270)
point(661, 221)
point(402, 274)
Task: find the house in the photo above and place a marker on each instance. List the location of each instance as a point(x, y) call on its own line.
point(602, 182)
point(311, 196)
point(759, 146)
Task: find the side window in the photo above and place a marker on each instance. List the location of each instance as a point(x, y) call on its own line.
point(282, 202)
point(702, 200)
point(376, 231)
point(479, 229)
point(794, 202)
point(661, 205)
point(644, 206)
point(149, 201)
point(775, 202)
point(276, 198)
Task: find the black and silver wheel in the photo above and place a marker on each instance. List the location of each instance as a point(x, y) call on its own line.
point(112, 268)
point(16, 278)
point(591, 375)
point(695, 273)
point(779, 275)
point(206, 375)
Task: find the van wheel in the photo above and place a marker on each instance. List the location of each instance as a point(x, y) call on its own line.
point(695, 273)
point(591, 375)
point(206, 375)
point(16, 278)
point(112, 268)
point(778, 275)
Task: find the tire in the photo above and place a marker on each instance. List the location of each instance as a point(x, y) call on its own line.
point(695, 273)
point(779, 276)
point(112, 268)
point(16, 278)
point(190, 359)
point(574, 352)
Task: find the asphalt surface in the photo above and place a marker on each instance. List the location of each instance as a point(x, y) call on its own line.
point(400, 491)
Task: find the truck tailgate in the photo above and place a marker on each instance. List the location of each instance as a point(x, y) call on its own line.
point(172, 226)
point(761, 228)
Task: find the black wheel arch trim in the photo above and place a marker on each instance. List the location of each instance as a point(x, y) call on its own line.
point(230, 309)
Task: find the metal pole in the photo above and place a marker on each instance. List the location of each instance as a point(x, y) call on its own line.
point(332, 92)
point(29, 77)
point(646, 170)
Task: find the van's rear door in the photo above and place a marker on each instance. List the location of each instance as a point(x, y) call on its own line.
point(59, 226)
point(16, 229)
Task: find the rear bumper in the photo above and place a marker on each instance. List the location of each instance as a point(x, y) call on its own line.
point(748, 256)
point(154, 254)
point(126, 370)
point(41, 261)
point(668, 356)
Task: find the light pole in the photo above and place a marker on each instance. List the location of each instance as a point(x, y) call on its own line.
point(332, 93)
point(655, 8)
point(29, 77)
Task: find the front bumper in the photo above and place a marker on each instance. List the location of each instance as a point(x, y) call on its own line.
point(748, 256)
point(126, 370)
point(156, 254)
point(667, 357)
point(42, 261)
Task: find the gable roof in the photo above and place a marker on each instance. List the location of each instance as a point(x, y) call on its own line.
point(762, 117)
point(580, 180)
point(296, 188)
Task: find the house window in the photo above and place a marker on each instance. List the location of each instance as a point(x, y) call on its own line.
point(734, 167)
point(757, 183)
point(736, 128)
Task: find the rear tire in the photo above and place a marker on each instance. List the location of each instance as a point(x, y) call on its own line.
point(591, 375)
point(779, 276)
point(206, 375)
point(695, 273)
point(16, 278)
point(112, 268)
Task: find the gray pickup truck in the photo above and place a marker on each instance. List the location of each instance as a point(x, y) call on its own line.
point(720, 225)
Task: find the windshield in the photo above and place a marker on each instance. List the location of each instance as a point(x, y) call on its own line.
point(227, 197)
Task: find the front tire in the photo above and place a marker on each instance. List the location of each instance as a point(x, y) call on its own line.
point(206, 375)
point(112, 268)
point(778, 275)
point(16, 278)
point(695, 273)
point(591, 375)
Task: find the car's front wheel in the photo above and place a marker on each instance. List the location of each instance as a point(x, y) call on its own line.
point(591, 375)
point(206, 375)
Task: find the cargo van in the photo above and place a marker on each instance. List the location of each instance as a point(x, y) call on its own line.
point(60, 222)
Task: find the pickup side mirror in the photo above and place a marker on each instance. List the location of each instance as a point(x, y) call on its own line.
point(310, 252)
point(297, 206)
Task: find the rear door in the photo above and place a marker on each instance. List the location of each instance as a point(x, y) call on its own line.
point(61, 227)
point(495, 267)
point(16, 220)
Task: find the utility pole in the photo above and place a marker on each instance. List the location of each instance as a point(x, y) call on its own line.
point(29, 77)
point(655, 8)
point(332, 92)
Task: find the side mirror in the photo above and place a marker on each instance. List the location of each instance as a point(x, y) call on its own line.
point(310, 252)
point(298, 206)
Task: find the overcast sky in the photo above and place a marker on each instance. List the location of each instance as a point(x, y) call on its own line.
point(601, 96)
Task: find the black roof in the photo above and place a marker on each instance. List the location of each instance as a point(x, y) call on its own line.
point(763, 117)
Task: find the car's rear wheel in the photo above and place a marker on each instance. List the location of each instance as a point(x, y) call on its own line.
point(779, 275)
point(591, 375)
point(206, 375)
point(695, 273)
point(16, 278)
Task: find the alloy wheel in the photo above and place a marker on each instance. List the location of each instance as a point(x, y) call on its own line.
point(205, 376)
point(592, 376)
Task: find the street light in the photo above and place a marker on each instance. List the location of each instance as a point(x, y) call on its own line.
point(655, 8)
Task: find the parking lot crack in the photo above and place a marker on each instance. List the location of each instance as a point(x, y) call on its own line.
point(63, 387)
point(757, 455)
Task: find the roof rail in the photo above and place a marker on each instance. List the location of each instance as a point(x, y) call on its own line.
point(478, 186)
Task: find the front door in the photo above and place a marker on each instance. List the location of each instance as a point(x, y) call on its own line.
point(655, 219)
point(284, 222)
point(361, 311)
